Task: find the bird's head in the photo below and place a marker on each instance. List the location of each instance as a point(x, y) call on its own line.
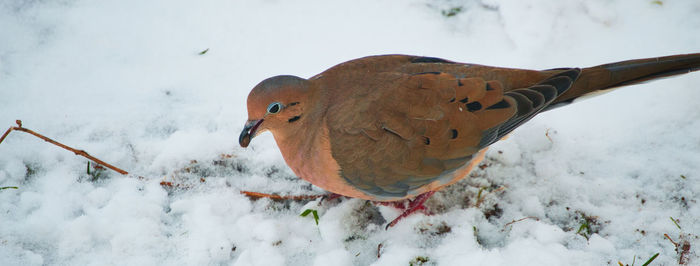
point(275, 104)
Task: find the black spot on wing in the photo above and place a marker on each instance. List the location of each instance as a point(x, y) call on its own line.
point(474, 106)
point(430, 60)
point(454, 133)
point(294, 119)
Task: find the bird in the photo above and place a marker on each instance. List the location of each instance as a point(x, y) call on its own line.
point(388, 128)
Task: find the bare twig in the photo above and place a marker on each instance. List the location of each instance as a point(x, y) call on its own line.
point(5, 135)
point(519, 220)
point(250, 194)
point(77, 152)
point(546, 134)
point(669, 239)
point(258, 195)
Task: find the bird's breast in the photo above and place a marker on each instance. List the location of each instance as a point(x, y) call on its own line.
point(309, 156)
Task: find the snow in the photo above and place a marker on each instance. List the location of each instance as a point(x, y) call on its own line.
point(124, 80)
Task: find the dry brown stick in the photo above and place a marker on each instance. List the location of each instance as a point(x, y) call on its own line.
point(669, 239)
point(546, 134)
point(5, 135)
point(520, 220)
point(77, 152)
point(258, 195)
point(250, 194)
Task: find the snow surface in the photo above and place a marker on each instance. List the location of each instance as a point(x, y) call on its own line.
point(123, 80)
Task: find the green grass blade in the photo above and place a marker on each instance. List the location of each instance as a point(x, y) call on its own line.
point(651, 259)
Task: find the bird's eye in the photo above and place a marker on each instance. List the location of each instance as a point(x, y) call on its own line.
point(274, 108)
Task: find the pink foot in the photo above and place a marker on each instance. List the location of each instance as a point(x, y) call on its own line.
point(413, 206)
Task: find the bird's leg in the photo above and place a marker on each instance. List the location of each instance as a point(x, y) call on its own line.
point(413, 206)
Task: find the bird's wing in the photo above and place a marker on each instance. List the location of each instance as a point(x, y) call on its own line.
point(392, 133)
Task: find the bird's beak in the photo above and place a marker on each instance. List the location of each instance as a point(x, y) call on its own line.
point(248, 132)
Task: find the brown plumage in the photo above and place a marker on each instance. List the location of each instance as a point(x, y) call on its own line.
point(392, 127)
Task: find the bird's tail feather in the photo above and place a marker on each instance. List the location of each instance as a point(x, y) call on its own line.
point(604, 77)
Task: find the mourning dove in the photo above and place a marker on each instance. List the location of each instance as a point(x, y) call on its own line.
point(394, 127)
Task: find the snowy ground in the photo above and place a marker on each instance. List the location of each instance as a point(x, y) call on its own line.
point(124, 80)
